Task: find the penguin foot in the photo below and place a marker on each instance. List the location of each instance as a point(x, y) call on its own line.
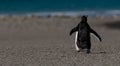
point(88, 51)
point(78, 50)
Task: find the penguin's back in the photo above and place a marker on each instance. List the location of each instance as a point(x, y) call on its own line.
point(83, 32)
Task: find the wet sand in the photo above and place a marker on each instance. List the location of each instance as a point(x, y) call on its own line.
point(45, 41)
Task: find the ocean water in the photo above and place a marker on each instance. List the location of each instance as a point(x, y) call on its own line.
point(57, 7)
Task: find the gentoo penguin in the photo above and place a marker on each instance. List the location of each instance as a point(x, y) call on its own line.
point(82, 38)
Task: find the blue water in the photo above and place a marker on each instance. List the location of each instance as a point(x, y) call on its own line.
point(68, 6)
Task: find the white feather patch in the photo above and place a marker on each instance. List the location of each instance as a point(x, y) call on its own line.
point(76, 36)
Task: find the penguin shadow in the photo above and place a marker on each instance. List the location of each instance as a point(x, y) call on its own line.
point(94, 52)
point(100, 52)
point(113, 25)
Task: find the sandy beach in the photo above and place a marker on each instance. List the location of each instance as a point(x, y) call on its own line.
point(45, 41)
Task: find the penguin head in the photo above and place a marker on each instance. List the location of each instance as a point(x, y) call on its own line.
point(84, 18)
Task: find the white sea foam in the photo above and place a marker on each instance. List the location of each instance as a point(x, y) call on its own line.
point(92, 13)
point(80, 13)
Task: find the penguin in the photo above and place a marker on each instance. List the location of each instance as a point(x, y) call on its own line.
point(82, 37)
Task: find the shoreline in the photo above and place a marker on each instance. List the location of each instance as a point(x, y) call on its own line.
point(90, 13)
point(55, 16)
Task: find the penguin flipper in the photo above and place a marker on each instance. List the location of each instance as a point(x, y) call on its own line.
point(74, 30)
point(95, 33)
